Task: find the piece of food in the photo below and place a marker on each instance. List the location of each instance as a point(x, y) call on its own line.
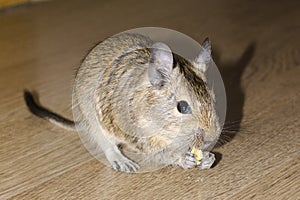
point(198, 155)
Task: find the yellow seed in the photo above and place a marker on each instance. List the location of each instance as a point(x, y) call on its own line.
point(198, 155)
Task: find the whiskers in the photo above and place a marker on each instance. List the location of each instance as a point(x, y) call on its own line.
point(226, 136)
point(230, 129)
point(237, 127)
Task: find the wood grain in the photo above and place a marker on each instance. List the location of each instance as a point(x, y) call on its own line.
point(256, 49)
point(282, 183)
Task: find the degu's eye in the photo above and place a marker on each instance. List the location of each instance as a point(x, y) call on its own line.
point(183, 107)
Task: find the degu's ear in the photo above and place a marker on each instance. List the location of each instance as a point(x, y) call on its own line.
point(204, 56)
point(160, 64)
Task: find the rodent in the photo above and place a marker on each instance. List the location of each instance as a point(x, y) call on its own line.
point(133, 92)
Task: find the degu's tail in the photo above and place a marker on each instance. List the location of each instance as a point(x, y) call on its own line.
point(44, 113)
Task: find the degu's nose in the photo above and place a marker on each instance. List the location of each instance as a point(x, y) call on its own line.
point(200, 133)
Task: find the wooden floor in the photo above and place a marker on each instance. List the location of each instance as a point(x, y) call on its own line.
point(256, 46)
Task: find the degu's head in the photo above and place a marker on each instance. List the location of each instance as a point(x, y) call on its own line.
point(176, 100)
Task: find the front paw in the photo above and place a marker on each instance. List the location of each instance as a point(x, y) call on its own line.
point(207, 160)
point(189, 161)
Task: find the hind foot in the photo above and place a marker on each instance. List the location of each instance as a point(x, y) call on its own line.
point(119, 162)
